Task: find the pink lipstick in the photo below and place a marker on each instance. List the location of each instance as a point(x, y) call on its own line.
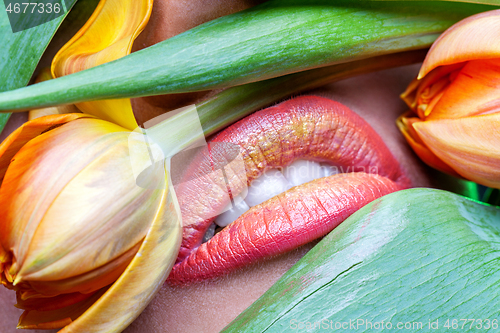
point(307, 127)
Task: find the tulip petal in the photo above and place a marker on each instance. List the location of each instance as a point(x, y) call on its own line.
point(470, 39)
point(471, 93)
point(89, 281)
point(50, 303)
point(471, 145)
point(131, 293)
point(57, 318)
point(20, 218)
point(107, 36)
point(17, 139)
point(405, 124)
point(45, 75)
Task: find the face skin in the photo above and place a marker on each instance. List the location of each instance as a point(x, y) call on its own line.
point(209, 306)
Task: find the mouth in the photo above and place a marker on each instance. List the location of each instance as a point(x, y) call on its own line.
point(273, 217)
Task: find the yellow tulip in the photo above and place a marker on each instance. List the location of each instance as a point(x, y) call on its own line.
point(107, 35)
point(81, 243)
point(454, 125)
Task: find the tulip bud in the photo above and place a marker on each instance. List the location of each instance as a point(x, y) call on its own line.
point(454, 126)
point(73, 221)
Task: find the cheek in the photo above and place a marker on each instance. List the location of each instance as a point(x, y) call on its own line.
point(209, 307)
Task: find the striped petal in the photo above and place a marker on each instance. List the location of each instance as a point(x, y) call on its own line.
point(107, 36)
point(471, 145)
point(470, 39)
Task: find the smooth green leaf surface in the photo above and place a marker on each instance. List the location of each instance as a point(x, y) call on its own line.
point(417, 256)
point(276, 38)
point(21, 51)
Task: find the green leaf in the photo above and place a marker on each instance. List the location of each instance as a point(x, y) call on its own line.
point(418, 255)
point(276, 38)
point(21, 51)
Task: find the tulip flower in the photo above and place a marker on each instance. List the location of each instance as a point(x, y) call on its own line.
point(69, 195)
point(107, 35)
point(455, 119)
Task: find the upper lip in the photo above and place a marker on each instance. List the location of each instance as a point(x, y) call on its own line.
point(306, 127)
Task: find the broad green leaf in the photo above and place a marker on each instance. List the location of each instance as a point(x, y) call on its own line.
point(276, 38)
point(21, 51)
point(418, 255)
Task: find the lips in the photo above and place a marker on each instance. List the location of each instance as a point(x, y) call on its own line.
point(307, 127)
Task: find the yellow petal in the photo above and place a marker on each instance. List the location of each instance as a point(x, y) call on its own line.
point(405, 124)
point(145, 275)
point(472, 38)
point(475, 87)
point(107, 35)
point(471, 145)
point(45, 75)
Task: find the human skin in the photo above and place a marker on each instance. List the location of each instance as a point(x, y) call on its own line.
point(209, 306)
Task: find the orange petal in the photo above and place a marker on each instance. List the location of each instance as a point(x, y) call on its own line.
point(42, 182)
point(57, 318)
point(471, 145)
point(107, 36)
point(50, 303)
point(31, 129)
point(475, 87)
point(405, 124)
point(472, 38)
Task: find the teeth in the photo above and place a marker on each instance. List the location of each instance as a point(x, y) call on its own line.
point(230, 215)
point(301, 171)
point(270, 184)
point(209, 234)
point(329, 170)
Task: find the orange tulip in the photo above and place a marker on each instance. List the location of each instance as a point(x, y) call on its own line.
point(454, 125)
point(81, 243)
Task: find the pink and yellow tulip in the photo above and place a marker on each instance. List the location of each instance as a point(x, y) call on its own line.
point(454, 125)
point(69, 195)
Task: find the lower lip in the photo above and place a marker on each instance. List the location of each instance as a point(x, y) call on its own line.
point(306, 127)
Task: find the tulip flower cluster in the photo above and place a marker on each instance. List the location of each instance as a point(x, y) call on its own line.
point(454, 125)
